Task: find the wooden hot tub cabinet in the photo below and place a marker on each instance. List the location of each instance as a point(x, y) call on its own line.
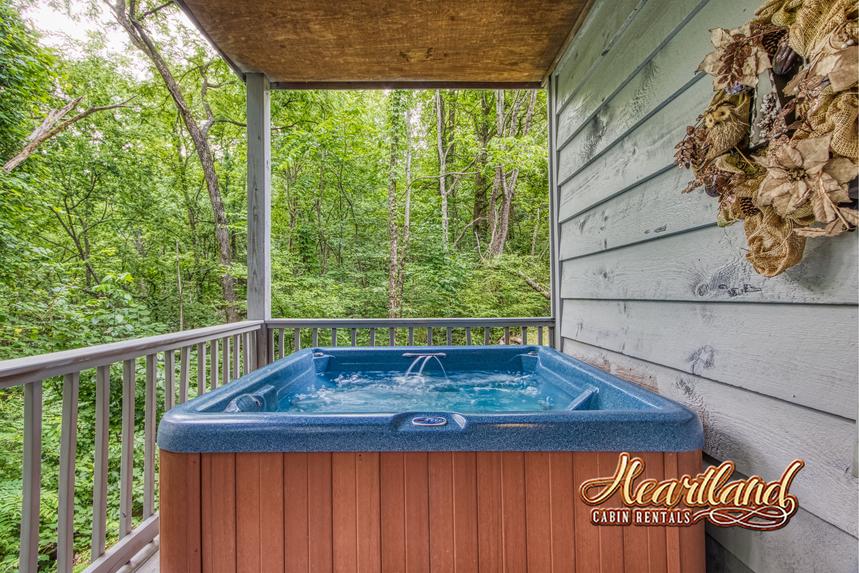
point(412, 512)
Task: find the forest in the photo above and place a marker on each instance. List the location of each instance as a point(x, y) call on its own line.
point(122, 206)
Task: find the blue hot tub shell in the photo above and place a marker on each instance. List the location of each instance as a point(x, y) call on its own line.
point(604, 413)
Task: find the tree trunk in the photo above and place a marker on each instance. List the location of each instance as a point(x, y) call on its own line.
point(140, 38)
point(394, 110)
point(478, 213)
point(442, 166)
point(407, 217)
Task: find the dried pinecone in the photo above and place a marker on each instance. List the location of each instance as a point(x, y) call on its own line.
point(768, 115)
point(690, 152)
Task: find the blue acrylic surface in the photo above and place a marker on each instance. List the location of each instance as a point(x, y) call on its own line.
point(479, 398)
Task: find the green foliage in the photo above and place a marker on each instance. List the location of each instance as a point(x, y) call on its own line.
point(106, 232)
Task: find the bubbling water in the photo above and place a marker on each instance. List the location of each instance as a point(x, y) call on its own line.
point(467, 392)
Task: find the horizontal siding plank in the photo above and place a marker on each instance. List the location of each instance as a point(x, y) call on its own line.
point(603, 26)
point(760, 347)
point(653, 209)
point(667, 71)
point(760, 434)
point(652, 24)
point(807, 544)
point(710, 264)
point(645, 152)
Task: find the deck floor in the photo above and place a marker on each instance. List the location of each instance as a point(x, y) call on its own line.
point(151, 565)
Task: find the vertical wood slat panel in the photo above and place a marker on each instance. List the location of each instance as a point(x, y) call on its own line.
point(126, 470)
point(538, 511)
point(218, 485)
point(100, 464)
point(295, 527)
point(149, 436)
point(465, 511)
point(611, 538)
point(180, 516)
point(68, 451)
point(587, 540)
point(259, 512)
point(442, 511)
point(28, 555)
point(692, 558)
point(393, 519)
point(442, 541)
point(490, 531)
point(369, 510)
point(416, 512)
point(562, 493)
point(319, 524)
point(344, 496)
point(513, 512)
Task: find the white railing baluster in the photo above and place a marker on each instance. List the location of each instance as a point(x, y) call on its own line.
point(353, 336)
point(213, 364)
point(429, 335)
point(68, 451)
point(237, 354)
point(169, 379)
point(392, 337)
point(411, 336)
point(28, 556)
point(314, 335)
point(99, 489)
point(468, 336)
point(201, 369)
point(506, 335)
point(246, 353)
point(225, 360)
point(184, 373)
point(281, 343)
point(449, 337)
point(552, 336)
point(524, 335)
point(333, 337)
point(149, 435)
point(486, 334)
point(540, 335)
point(296, 339)
point(372, 337)
point(126, 469)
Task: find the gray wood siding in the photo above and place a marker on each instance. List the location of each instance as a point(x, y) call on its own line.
point(649, 288)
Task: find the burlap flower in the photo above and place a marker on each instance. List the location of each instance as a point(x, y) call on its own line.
point(802, 172)
point(737, 60)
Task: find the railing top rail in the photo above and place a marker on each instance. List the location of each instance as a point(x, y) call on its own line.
point(32, 368)
point(406, 322)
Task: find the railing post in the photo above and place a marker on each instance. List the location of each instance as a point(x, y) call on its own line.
point(259, 202)
point(126, 468)
point(28, 560)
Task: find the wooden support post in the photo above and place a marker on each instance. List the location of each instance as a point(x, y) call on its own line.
point(259, 209)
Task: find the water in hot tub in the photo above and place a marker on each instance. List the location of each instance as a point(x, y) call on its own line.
point(467, 392)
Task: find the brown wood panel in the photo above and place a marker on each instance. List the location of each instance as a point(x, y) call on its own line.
point(441, 512)
point(369, 512)
point(259, 512)
point(330, 43)
point(538, 510)
point(465, 513)
point(672, 534)
point(405, 512)
point(296, 543)
point(344, 503)
point(180, 513)
point(417, 512)
point(489, 513)
point(611, 538)
point(319, 518)
point(692, 559)
point(587, 537)
point(563, 493)
point(219, 512)
point(393, 519)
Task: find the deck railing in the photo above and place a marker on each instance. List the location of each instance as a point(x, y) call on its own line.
point(209, 357)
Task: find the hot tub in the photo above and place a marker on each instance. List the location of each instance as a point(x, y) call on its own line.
point(418, 459)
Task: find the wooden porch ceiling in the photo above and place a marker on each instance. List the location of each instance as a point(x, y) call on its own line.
point(382, 43)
